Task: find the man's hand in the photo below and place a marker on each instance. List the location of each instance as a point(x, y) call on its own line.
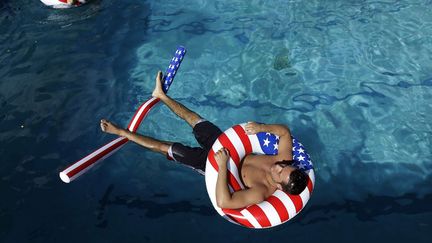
point(253, 128)
point(222, 157)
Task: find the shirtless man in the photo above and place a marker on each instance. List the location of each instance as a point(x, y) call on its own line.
point(261, 174)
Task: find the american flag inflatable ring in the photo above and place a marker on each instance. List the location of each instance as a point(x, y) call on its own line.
point(62, 3)
point(276, 209)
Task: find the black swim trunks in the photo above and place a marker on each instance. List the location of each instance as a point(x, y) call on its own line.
point(206, 134)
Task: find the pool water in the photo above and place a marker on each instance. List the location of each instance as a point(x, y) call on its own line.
point(352, 79)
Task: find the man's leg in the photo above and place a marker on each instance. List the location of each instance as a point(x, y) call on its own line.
point(180, 110)
point(192, 157)
point(147, 142)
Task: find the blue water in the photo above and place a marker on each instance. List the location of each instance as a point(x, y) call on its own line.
point(352, 79)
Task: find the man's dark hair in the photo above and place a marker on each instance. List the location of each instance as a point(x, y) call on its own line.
point(297, 182)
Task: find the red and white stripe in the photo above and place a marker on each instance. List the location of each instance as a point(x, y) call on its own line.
point(61, 3)
point(141, 113)
point(276, 209)
point(81, 166)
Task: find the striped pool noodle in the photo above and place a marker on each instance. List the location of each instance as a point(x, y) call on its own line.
point(81, 166)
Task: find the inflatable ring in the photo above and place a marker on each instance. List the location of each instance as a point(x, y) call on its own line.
point(62, 3)
point(276, 209)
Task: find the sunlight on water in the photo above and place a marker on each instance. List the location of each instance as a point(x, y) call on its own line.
point(353, 77)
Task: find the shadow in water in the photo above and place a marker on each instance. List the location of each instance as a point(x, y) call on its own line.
point(369, 210)
point(151, 208)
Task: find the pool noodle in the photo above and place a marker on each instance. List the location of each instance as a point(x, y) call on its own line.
point(83, 165)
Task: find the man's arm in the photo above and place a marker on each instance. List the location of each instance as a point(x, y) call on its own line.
point(285, 141)
point(239, 199)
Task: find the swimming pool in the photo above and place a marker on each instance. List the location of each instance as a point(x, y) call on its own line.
point(351, 78)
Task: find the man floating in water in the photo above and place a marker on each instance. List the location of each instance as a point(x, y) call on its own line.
point(262, 175)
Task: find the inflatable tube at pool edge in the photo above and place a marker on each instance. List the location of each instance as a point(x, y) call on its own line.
point(62, 3)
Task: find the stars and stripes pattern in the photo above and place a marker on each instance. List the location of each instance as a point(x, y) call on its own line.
point(173, 67)
point(301, 158)
point(279, 207)
point(81, 166)
point(166, 83)
point(270, 145)
point(269, 142)
point(62, 3)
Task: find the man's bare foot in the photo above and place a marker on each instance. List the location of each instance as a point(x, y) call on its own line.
point(158, 91)
point(108, 127)
point(71, 2)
